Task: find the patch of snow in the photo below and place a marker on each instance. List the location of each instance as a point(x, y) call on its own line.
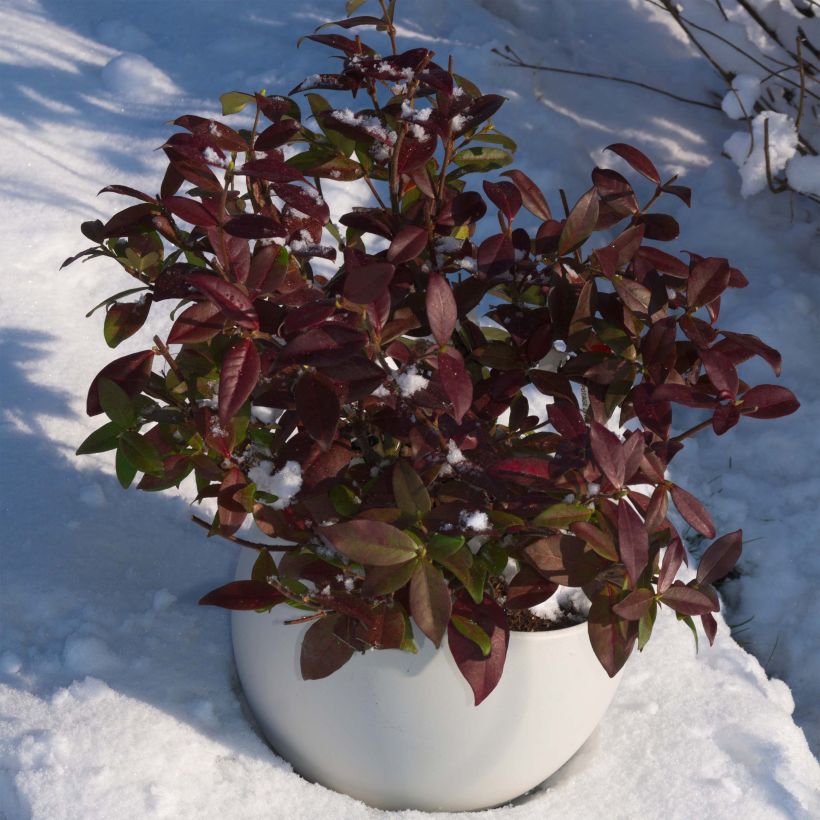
point(739, 102)
point(136, 79)
point(284, 483)
point(803, 173)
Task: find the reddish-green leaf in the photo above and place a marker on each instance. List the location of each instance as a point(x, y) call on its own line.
point(687, 600)
point(565, 559)
point(384, 580)
point(368, 283)
point(442, 312)
point(482, 673)
point(720, 557)
point(693, 512)
point(373, 543)
point(243, 595)
point(635, 605)
point(240, 374)
point(318, 406)
point(505, 196)
point(708, 279)
point(580, 222)
point(124, 319)
point(130, 372)
point(232, 506)
point(528, 588)
point(430, 601)
point(409, 491)
point(612, 639)
point(674, 556)
point(198, 323)
point(457, 384)
point(190, 211)
point(633, 541)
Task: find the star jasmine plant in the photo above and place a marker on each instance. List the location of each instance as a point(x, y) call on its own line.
point(439, 407)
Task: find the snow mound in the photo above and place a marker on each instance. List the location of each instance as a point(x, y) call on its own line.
point(804, 174)
point(739, 102)
point(138, 79)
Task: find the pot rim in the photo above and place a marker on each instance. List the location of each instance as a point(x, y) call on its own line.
point(551, 634)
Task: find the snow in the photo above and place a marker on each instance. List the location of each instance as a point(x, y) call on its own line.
point(739, 101)
point(750, 154)
point(410, 381)
point(117, 693)
point(284, 483)
point(803, 173)
point(476, 521)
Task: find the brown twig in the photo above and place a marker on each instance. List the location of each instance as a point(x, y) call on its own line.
point(515, 60)
point(201, 522)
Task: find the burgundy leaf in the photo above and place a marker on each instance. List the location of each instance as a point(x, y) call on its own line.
point(130, 372)
point(496, 255)
point(661, 227)
point(639, 161)
point(635, 605)
point(457, 384)
point(190, 211)
point(708, 279)
point(243, 595)
point(681, 192)
point(633, 541)
point(656, 259)
point(407, 245)
point(688, 600)
point(531, 195)
point(754, 346)
point(198, 323)
point(254, 226)
point(240, 374)
point(368, 283)
point(693, 512)
point(769, 401)
point(565, 559)
point(674, 556)
point(612, 639)
point(725, 417)
point(430, 601)
point(232, 512)
point(505, 196)
point(233, 302)
point(442, 312)
point(414, 153)
point(721, 373)
point(608, 452)
point(464, 209)
point(318, 407)
point(709, 627)
point(719, 559)
point(275, 135)
point(483, 674)
point(599, 540)
point(682, 394)
point(323, 651)
point(580, 222)
point(528, 588)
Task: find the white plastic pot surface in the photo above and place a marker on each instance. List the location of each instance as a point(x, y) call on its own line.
point(400, 731)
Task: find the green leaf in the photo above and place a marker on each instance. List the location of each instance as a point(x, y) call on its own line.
point(443, 546)
point(125, 469)
point(116, 404)
point(372, 543)
point(645, 625)
point(352, 5)
point(495, 556)
point(496, 138)
point(101, 440)
point(263, 567)
point(140, 453)
point(384, 580)
point(687, 619)
point(560, 516)
point(479, 159)
point(235, 101)
point(411, 495)
point(344, 500)
point(430, 601)
point(473, 632)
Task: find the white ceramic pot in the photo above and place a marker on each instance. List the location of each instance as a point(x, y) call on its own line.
point(399, 731)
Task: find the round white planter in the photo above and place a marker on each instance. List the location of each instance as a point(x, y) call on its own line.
point(399, 731)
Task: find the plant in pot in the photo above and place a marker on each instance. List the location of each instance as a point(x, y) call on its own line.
point(467, 416)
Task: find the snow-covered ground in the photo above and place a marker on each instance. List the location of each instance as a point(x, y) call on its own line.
point(117, 695)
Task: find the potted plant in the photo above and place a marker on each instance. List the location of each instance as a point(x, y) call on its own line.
point(383, 422)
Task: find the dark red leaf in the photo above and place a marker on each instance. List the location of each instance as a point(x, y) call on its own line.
point(721, 373)
point(633, 541)
point(635, 605)
point(483, 674)
point(430, 601)
point(232, 511)
point(232, 301)
point(254, 226)
point(756, 347)
point(496, 255)
point(240, 374)
point(407, 245)
point(442, 312)
point(708, 279)
point(720, 557)
point(608, 452)
point(769, 401)
point(457, 384)
point(725, 417)
point(318, 406)
point(709, 627)
point(198, 323)
point(674, 556)
point(693, 512)
point(565, 559)
point(612, 639)
point(682, 394)
point(275, 135)
point(243, 595)
point(580, 222)
point(190, 211)
point(639, 161)
point(688, 600)
point(323, 651)
point(368, 283)
point(464, 209)
point(505, 196)
point(531, 195)
point(528, 588)
point(130, 372)
point(661, 227)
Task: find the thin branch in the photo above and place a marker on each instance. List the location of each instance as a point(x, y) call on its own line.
point(513, 58)
point(769, 178)
point(802, 99)
point(201, 522)
point(692, 430)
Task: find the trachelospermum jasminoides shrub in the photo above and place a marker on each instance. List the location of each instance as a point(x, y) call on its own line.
point(371, 422)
